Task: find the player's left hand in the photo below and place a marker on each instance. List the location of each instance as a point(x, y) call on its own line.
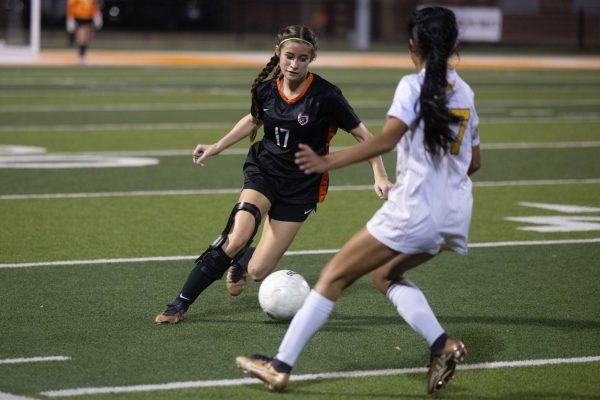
point(309, 161)
point(382, 187)
point(98, 21)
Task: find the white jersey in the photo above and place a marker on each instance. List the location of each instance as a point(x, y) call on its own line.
point(429, 206)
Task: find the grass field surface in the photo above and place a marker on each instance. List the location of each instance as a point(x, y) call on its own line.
point(103, 213)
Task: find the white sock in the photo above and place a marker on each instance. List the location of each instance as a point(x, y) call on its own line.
point(413, 307)
point(308, 320)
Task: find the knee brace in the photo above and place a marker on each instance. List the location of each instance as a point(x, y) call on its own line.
point(214, 260)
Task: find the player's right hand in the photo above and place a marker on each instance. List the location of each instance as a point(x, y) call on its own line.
point(203, 151)
point(309, 161)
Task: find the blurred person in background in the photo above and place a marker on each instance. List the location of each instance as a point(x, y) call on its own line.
point(83, 16)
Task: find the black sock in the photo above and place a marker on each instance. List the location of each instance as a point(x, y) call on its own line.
point(195, 284)
point(439, 343)
point(245, 258)
point(280, 366)
point(210, 267)
point(82, 50)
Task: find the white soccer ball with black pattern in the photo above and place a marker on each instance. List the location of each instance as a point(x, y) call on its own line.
point(282, 293)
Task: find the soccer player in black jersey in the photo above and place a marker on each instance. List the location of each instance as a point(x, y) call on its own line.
point(294, 106)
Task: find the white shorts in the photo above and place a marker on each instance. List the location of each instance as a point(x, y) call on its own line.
point(411, 225)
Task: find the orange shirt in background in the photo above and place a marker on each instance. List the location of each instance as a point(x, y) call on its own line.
point(82, 9)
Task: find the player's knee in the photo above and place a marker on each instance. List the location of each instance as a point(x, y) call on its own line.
point(258, 272)
point(332, 278)
point(380, 281)
point(233, 241)
point(331, 288)
point(235, 244)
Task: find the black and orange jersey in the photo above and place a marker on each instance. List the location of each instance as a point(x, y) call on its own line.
point(82, 9)
point(312, 118)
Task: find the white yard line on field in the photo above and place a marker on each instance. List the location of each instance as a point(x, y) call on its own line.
point(118, 194)
point(562, 118)
point(537, 145)
point(344, 188)
point(533, 243)
point(5, 150)
point(77, 108)
point(536, 182)
point(33, 359)
point(288, 253)
point(492, 104)
point(8, 396)
point(115, 127)
point(306, 377)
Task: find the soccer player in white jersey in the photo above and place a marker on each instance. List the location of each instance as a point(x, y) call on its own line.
point(433, 124)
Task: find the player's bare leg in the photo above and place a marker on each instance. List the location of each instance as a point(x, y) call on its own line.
point(276, 238)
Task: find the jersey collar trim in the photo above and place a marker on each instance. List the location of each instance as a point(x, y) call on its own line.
point(309, 80)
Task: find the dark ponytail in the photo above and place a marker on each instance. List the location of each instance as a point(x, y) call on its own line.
point(302, 34)
point(272, 65)
point(434, 32)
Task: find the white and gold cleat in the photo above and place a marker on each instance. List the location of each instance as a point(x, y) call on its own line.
point(261, 367)
point(443, 364)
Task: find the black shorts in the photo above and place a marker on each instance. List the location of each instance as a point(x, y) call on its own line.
point(83, 21)
point(282, 209)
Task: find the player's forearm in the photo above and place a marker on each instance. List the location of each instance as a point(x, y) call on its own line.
point(366, 150)
point(378, 167)
point(361, 133)
point(244, 127)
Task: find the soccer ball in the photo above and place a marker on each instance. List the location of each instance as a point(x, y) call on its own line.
point(282, 293)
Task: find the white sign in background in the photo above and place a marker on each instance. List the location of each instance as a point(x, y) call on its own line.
point(479, 24)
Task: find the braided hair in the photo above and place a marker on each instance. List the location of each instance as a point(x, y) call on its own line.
point(434, 32)
point(297, 33)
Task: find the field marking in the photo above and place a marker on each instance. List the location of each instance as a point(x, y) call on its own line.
point(537, 145)
point(104, 108)
point(331, 59)
point(557, 223)
point(538, 182)
point(532, 243)
point(562, 208)
point(33, 157)
point(9, 396)
point(33, 359)
point(563, 118)
point(307, 377)
point(343, 188)
point(523, 106)
point(287, 253)
point(115, 127)
point(70, 161)
point(118, 194)
point(11, 150)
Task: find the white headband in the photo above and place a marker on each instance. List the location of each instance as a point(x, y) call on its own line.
point(312, 46)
